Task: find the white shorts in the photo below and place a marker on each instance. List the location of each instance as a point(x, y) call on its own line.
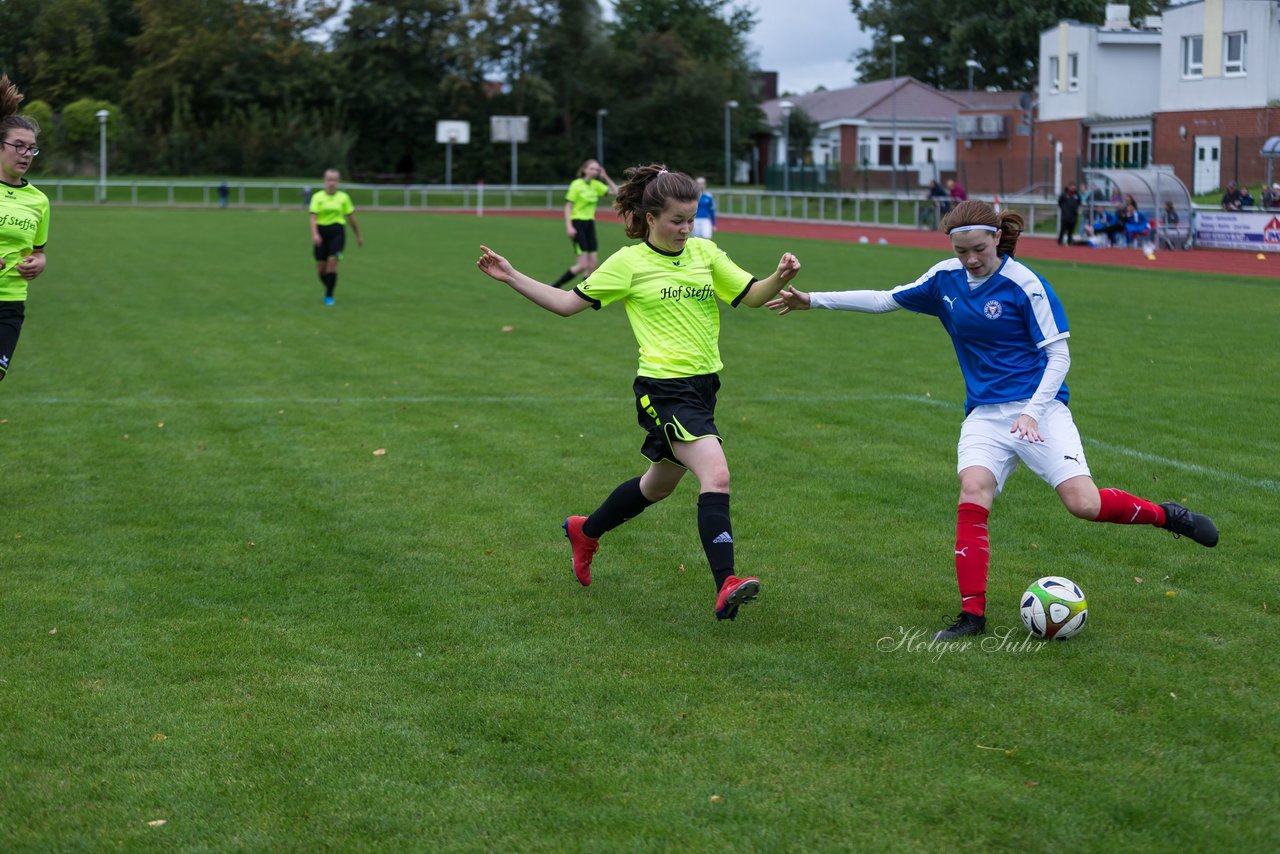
point(702, 227)
point(985, 441)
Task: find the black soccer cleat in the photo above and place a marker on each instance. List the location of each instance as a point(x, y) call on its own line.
point(1187, 523)
point(965, 624)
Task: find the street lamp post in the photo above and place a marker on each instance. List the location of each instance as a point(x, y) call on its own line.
point(600, 114)
point(102, 154)
point(728, 166)
point(972, 64)
point(894, 41)
point(785, 148)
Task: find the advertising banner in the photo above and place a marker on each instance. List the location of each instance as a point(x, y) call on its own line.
point(1254, 231)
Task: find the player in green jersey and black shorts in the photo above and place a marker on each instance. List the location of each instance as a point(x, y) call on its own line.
point(669, 284)
point(331, 209)
point(24, 219)
point(580, 217)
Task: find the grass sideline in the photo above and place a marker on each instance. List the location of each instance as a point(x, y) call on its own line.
point(224, 611)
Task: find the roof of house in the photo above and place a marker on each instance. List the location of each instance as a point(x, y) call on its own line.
point(876, 100)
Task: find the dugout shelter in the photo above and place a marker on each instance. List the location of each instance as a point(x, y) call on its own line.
point(1151, 188)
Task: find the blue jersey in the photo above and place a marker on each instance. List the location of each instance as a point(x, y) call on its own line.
point(997, 328)
point(706, 208)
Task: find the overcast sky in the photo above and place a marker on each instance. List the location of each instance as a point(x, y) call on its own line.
point(808, 42)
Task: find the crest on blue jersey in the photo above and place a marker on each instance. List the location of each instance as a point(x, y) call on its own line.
point(992, 309)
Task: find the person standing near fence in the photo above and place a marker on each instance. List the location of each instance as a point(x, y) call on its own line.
point(1068, 214)
point(580, 201)
point(704, 221)
point(669, 285)
point(331, 209)
point(1009, 332)
point(24, 219)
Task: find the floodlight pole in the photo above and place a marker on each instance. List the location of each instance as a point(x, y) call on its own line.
point(785, 150)
point(894, 41)
point(102, 154)
point(728, 165)
point(600, 114)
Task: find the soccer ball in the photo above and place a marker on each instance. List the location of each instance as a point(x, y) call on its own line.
point(1054, 608)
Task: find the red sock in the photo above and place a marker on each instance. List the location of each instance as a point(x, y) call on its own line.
point(1122, 508)
point(973, 556)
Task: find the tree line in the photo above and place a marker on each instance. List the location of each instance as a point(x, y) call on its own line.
point(291, 87)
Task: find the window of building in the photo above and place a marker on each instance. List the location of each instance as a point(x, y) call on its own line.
point(1234, 49)
point(1053, 74)
point(1193, 56)
point(1120, 149)
point(864, 151)
point(1073, 72)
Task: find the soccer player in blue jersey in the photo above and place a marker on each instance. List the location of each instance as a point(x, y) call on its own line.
point(669, 284)
point(1010, 335)
point(24, 219)
point(704, 221)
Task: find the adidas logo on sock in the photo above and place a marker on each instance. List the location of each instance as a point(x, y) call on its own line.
point(723, 538)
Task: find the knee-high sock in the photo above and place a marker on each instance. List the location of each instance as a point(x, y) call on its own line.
point(330, 282)
point(1122, 508)
point(625, 502)
point(716, 532)
point(973, 557)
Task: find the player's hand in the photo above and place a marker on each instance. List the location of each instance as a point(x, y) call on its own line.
point(1027, 428)
point(315, 240)
point(494, 265)
point(788, 267)
point(789, 299)
point(359, 242)
point(32, 266)
point(572, 232)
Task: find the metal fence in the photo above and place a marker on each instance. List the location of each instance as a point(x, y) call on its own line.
point(873, 209)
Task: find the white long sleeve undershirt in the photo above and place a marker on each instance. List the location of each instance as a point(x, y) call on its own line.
point(880, 302)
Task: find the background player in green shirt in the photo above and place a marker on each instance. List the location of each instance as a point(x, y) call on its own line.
point(24, 219)
point(668, 284)
point(330, 209)
point(580, 217)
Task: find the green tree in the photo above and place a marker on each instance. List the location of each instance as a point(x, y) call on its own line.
point(1004, 35)
point(81, 129)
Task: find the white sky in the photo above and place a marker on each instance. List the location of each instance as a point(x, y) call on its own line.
point(808, 42)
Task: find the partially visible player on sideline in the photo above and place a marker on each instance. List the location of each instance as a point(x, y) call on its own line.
point(1010, 336)
point(331, 209)
point(24, 219)
point(581, 198)
point(669, 284)
point(704, 221)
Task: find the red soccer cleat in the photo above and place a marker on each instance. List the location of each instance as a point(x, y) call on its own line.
point(584, 548)
point(733, 593)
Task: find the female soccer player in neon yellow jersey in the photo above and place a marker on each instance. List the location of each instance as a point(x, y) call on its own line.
point(669, 284)
point(330, 209)
point(24, 219)
point(580, 218)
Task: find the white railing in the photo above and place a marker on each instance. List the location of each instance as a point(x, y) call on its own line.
point(903, 210)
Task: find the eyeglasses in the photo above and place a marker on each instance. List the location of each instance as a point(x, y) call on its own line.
point(22, 149)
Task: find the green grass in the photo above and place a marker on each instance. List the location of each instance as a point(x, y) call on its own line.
point(221, 609)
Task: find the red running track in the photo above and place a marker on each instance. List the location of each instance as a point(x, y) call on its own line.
point(1222, 262)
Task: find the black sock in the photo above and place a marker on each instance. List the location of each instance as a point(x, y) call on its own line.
point(568, 276)
point(625, 502)
point(716, 532)
point(330, 282)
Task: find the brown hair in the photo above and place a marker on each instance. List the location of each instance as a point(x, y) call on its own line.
point(646, 190)
point(582, 170)
point(974, 212)
point(10, 98)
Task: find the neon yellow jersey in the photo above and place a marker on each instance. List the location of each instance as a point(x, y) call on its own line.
point(671, 303)
point(583, 195)
point(24, 225)
point(331, 209)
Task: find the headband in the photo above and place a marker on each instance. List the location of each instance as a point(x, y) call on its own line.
point(989, 228)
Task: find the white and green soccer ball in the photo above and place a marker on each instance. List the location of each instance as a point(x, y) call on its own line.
point(1054, 608)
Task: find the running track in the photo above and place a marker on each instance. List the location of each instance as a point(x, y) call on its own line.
point(1217, 261)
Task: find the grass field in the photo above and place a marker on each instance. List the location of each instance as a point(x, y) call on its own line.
point(229, 621)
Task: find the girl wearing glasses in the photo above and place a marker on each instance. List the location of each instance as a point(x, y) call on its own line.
point(24, 219)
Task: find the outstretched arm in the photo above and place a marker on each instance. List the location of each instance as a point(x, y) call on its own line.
point(764, 290)
point(563, 303)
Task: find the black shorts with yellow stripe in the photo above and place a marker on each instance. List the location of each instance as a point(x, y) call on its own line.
point(11, 315)
point(675, 410)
